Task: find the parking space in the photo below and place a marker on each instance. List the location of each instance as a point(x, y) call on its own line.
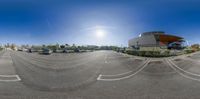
point(158, 67)
point(97, 75)
point(7, 71)
point(121, 64)
point(188, 64)
point(196, 56)
point(57, 62)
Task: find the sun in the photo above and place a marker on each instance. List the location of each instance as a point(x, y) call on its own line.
point(100, 33)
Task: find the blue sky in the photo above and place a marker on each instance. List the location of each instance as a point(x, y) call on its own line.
point(77, 21)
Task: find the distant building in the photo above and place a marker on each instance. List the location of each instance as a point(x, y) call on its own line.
point(156, 39)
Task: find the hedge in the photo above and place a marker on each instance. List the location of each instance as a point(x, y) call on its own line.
point(187, 51)
point(149, 53)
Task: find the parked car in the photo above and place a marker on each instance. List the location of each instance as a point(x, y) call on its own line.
point(32, 50)
point(76, 50)
point(68, 51)
point(46, 51)
point(19, 50)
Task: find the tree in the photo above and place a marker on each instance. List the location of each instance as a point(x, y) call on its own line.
point(195, 46)
point(66, 44)
point(62, 46)
point(13, 46)
point(73, 45)
point(43, 46)
point(57, 46)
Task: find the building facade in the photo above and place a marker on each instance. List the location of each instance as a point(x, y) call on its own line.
point(156, 39)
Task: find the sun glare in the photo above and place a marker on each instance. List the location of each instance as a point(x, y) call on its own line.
point(100, 33)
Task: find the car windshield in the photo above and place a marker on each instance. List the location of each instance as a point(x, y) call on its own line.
point(99, 49)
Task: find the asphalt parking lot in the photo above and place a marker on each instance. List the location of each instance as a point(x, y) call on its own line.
point(97, 75)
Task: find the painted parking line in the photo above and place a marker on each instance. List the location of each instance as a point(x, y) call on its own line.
point(180, 73)
point(124, 75)
point(106, 59)
point(9, 78)
point(183, 69)
point(117, 74)
point(193, 60)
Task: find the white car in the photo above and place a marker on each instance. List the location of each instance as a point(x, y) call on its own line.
point(46, 51)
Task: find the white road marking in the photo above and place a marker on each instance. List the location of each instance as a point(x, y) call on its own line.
point(105, 59)
point(115, 79)
point(99, 77)
point(117, 74)
point(16, 78)
point(183, 69)
point(171, 65)
point(193, 60)
point(9, 78)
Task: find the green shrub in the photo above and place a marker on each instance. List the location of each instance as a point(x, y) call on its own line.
point(187, 51)
point(156, 53)
point(131, 52)
point(165, 53)
point(141, 53)
point(149, 53)
point(152, 54)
